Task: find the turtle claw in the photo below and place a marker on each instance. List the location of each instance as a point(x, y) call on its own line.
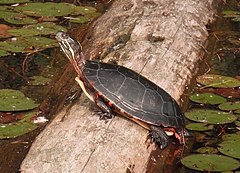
point(102, 115)
point(159, 137)
point(105, 116)
point(162, 142)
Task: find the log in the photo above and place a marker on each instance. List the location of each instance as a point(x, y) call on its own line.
point(162, 40)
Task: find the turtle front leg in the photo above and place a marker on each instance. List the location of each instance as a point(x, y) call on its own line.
point(159, 136)
point(106, 111)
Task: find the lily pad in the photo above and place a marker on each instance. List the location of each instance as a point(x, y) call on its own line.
point(207, 98)
point(229, 106)
point(237, 111)
point(80, 19)
point(218, 81)
point(19, 128)
point(86, 11)
point(48, 19)
point(14, 100)
point(237, 123)
point(210, 162)
point(210, 116)
point(36, 42)
point(233, 93)
point(23, 32)
point(5, 8)
point(45, 28)
point(92, 15)
point(232, 14)
point(5, 12)
point(13, 1)
point(230, 148)
point(231, 137)
point(18, 19)
point(41, 42)
point(207, 150)
point(199, 127)
point(46, 9)
point(3, 53)
point(39, 80)
point(11, 47)
point(83, 10)
point(229, 13)
point(27, 44)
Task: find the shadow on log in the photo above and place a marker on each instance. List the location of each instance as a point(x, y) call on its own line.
point(162, 40)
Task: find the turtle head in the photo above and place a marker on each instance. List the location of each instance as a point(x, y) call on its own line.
point(73, 50)
point(70, 47)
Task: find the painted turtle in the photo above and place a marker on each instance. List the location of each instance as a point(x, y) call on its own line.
point(116, 89)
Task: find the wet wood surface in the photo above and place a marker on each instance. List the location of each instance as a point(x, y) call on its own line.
point(162, 40)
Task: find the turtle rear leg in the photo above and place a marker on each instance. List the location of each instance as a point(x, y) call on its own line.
point(181, 135)
point(106, 111)
point(159, 136)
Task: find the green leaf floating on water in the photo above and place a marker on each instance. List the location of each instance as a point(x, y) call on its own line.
point(232, 14)
point(45, 28)
point(4, 53)
point(230, 148)
point(218, 81)
point(11, 47)
point(237, 111)
point(83, 10)
point(7, 13)
point(210, 116)
point(210, 162)
point(231, 137)
point(25, 44)
point(229, 13)
point(38, 42)
point(46, 9)
point(39, 80)
point(207, 98)
point(19, 19)
point(14, 100)
point(86, 14)
point(49, 19)
point(12, 1)
point(10, 16)
point(23, 32)
point(229, 106)
point(207, 150)
point(199, 127)
point(237, 123)
point(231, 145)
point(80, 19)
point(19, 128)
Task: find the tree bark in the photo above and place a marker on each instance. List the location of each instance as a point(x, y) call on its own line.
point(162, 40)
